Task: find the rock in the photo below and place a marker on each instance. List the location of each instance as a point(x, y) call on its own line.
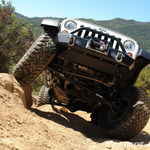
point(6, 81)
point(9, 83)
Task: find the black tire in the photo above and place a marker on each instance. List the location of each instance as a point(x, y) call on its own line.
point(44, 96)
point(36, 59)
point(124, 126)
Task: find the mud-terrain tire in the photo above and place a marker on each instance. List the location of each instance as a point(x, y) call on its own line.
point(36, 59)
point(44, 96)
point(128, 124)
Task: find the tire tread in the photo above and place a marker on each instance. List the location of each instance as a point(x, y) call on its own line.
point(36, 59)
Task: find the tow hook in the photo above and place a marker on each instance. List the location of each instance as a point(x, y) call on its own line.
point(71, 40)
point(119, 57)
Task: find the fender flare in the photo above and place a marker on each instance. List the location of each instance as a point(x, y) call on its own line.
point(143, 53)
point(51, 23)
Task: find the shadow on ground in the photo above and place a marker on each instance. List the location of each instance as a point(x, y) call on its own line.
point(73, 121)
point(89, 130)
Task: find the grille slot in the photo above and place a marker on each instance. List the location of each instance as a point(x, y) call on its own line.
point(86, 34)
point(79, 33)
point(93, 34)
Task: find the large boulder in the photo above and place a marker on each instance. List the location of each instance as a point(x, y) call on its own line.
point(8, 82)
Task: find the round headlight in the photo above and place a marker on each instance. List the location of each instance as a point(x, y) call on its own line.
point(70, 25)
point(129, 45)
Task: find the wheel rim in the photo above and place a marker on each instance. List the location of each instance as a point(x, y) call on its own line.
point(123, 103)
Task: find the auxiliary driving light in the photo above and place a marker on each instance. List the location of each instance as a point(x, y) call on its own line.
point(113, 54)
point(78, 42)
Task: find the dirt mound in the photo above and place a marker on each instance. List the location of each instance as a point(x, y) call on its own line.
point(47, 128)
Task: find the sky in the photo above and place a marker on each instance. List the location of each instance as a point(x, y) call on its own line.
point(138, 10)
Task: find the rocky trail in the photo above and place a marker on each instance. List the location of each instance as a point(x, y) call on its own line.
point(47, 128)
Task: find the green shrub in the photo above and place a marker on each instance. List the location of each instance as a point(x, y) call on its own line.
point(143, 82)
point(36, 85)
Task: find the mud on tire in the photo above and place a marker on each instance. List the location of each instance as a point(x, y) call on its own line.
point(36, 59)
point(128, 124)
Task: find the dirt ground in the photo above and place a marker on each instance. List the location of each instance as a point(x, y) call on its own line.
point(47, 128)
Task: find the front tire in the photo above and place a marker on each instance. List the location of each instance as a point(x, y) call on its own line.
point(36, 59)
point(124, 126)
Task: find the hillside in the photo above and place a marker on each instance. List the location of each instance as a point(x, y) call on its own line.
point(47, 128)
point(140, 31)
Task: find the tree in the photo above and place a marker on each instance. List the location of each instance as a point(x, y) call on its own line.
point(16, 36)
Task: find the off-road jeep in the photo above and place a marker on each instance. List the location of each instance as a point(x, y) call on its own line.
point(90, 68)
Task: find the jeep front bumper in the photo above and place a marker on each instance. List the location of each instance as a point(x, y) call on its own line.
point(94, 54)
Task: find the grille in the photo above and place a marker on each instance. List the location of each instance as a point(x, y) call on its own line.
point(84, 32)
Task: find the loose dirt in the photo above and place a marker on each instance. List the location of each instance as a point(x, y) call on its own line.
point(47, 128)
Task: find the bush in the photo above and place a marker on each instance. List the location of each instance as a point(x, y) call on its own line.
point(143, 82)
point(36, 85)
